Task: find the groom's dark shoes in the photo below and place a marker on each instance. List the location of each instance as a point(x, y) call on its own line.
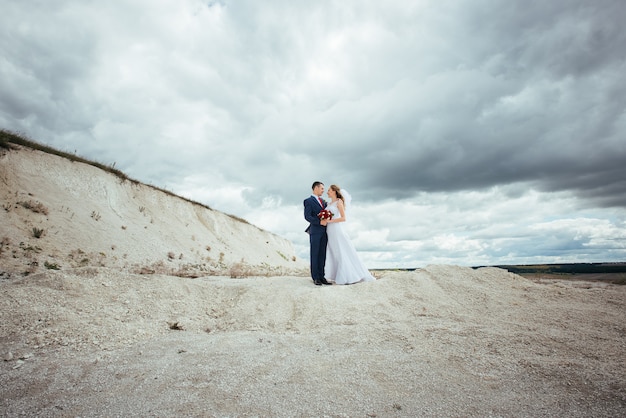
point(324, 281)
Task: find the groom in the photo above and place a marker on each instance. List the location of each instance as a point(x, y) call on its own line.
point(317, 233)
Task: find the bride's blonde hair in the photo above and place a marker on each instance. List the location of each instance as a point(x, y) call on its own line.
point(337, 190)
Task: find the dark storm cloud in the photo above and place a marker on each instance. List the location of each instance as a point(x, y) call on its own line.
point(43, 66)
point(533, 94)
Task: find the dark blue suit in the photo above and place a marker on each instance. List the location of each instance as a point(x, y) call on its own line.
point(317, 237)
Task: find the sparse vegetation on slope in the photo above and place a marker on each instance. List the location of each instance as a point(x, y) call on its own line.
point(80, 216)
point(7, 138)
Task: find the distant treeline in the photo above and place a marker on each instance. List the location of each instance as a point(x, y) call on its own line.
point(575, 268)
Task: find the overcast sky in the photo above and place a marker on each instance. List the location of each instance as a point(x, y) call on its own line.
point(468, 132)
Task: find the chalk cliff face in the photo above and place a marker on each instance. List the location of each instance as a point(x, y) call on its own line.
point(58, 214)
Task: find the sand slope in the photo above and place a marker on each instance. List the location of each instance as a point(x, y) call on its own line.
point(441, 341)
point(90, 217)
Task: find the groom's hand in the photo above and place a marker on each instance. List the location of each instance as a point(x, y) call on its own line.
point(324, 222)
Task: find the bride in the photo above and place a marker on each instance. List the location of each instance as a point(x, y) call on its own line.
point(343, 265)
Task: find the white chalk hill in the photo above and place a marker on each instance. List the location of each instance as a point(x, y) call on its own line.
point(58, 214)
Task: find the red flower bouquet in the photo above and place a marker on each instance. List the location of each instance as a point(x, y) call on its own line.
point(325, 215)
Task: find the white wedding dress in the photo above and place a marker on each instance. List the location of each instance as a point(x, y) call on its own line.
point(343, 265)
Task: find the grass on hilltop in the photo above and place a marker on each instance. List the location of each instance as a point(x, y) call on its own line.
point(9, 139)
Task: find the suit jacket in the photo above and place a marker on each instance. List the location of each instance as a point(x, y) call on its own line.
point(311, 209)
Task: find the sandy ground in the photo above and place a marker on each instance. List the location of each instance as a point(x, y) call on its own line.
point(441, 341)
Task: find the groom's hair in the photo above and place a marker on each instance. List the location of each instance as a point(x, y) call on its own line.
point(315, 184)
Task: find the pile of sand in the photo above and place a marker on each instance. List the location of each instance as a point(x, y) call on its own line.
point(441, 341)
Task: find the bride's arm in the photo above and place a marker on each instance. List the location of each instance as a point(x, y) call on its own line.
point(342, 213)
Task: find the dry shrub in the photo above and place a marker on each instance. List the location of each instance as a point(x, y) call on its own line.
point(34, 206)
point(241, 269)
